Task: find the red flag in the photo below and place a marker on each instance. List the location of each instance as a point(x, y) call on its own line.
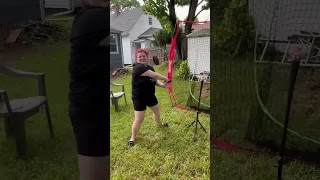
point(171, 60)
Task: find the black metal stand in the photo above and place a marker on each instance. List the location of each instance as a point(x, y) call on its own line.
point(196, 121)
point(293, 76)
point(172, 105)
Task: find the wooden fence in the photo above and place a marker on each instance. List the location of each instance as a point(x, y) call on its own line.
point(159, 52)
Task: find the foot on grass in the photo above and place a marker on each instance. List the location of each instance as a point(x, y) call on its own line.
point(164, 125)
point(131, 143)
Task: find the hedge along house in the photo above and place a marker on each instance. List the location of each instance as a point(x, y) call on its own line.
point(116, 50)
point(199, 51)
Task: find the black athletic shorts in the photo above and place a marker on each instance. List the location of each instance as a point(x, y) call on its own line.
point(141, 103)
point(91, 128)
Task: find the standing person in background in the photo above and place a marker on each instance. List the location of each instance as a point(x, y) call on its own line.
point(88, 95)
point(144, 80)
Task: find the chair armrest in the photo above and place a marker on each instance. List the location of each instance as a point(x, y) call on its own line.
point(17, 73)
point(111, 94)
point(40, 77)
point(114, 84)
point(4, 95)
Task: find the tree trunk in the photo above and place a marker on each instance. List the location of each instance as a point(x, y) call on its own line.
point(182, 43)
point(173, 20)
point(191, 17)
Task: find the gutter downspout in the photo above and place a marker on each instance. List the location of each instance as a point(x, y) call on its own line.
point(73, 4)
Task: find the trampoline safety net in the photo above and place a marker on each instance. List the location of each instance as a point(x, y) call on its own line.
point(249, 94)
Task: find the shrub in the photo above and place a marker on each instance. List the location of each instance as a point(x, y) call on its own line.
point(183, 71)
point(235, 36)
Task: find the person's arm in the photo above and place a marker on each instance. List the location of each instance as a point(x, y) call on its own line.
point(166, 84)
point(159, 83)
point(154, 75)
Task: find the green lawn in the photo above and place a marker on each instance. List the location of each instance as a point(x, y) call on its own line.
point(233, 98)
point(47, 159)
point(158, 153)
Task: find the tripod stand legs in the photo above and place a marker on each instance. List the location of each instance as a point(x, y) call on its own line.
point(196, 121)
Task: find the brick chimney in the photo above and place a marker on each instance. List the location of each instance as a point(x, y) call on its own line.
point(116, 9)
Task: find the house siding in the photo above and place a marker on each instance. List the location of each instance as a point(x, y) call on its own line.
point(140, 27)
point(78, 3)
point(60, 4)
point(19, 11)
point(126, 44)
point(116, 59)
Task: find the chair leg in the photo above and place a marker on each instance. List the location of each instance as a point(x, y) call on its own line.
point(116, 104)
point(19, 129)
point(125, 99)
point(49, 120)
point(8, 127)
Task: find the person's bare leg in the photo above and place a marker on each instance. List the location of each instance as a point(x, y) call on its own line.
point(138, 119)
point(156, 114)
point(94, 168)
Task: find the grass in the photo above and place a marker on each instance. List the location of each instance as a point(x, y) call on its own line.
point(161, 154)
point(158, 153)
point(186, 92)
point(47, 159)
point(233, 97)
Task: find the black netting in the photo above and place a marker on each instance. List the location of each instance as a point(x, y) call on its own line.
point(238, 117)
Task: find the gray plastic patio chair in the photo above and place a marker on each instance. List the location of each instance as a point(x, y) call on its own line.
point(16, 111)
point(116, 96)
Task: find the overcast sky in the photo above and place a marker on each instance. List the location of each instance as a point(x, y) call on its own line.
point(182, 12)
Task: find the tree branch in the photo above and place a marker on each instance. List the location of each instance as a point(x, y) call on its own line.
point(198, 13)
point(200, 3)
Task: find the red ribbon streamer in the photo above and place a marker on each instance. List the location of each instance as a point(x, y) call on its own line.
point(171, 59)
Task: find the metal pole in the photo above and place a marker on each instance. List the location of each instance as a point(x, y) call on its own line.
point(293, 76)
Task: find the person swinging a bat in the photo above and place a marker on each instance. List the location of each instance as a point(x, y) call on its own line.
point(144, 80)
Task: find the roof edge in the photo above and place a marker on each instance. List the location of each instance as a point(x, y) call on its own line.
point(135, 22)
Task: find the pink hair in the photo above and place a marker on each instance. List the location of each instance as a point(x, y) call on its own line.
point(142, 50)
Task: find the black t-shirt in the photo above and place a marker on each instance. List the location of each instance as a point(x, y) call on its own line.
point(89, 62)
point(142, 85)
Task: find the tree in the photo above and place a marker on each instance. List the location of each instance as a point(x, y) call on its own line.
point(217, 10)
point(165, 11)
point(124, 4)
point(162, 38)
point(195, 19)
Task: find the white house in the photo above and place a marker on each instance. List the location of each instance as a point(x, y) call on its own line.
point(137, 30)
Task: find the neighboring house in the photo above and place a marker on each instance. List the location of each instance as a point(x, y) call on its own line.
point(199, 51)
point(116, 51)
point(137, 28)
point(18, 11)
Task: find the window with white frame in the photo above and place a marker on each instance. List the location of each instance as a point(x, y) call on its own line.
point(114, 47)
point(150, 20)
